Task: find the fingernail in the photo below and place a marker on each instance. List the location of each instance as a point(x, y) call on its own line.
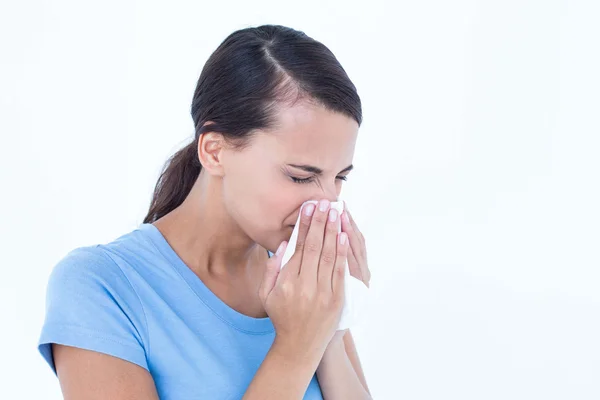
point(323, 205)
point(343, 238)
point(309, 209)
point(333, 215)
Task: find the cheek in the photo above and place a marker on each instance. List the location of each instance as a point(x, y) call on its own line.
point(258, 200)
point(266, 221)
point(278, 210)
point(276, 204)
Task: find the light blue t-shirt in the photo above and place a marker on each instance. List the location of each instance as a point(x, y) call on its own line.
point(135, 299)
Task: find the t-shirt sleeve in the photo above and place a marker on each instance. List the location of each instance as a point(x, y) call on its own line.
point(92, 305)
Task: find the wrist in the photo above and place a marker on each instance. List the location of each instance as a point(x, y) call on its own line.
point(297, 355)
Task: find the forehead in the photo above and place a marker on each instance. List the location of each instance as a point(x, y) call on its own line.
point(311, 134)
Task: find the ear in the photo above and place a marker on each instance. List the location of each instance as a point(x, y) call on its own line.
point(211, 149)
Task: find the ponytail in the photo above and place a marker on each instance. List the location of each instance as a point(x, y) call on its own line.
point(175, 182)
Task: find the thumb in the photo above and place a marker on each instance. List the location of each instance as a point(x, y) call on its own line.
point(272, 271)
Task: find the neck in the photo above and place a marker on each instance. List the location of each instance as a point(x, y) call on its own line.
point(206, 238)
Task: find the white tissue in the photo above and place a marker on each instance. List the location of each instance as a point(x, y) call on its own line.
point(354, 288)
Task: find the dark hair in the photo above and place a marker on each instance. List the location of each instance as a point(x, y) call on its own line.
point(251, 72)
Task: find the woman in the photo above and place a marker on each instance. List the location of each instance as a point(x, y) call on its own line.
point(193, 304)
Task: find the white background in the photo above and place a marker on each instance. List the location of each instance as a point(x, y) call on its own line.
point(477, 182)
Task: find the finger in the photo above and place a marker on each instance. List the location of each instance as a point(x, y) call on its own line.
point(362, 258)
point(353, 265)
point(355, 241)
point(314, 242)
point(353, 224)
point(357, 257)
point(339, 270)
point(359, 270)
point(306, 211)
point(329, 251)
point(271, 273)
point(355, 227)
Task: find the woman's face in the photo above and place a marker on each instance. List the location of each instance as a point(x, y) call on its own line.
point(265, 184)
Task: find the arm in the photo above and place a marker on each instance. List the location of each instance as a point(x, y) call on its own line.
point(86, 374)
point(353, 356)
point(284, 374)
point(90, 375)
point(340, 374)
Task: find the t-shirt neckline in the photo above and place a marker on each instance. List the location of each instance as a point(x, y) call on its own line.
point(234, 318)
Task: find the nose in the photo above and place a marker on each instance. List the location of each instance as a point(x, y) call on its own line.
point(329, 192)
point(332, 191)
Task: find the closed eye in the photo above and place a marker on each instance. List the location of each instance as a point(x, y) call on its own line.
point(308, 180)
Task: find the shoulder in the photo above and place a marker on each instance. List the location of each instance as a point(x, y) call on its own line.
point(88, 279)
point(91, 304)
point(86, 267)
point(85, 260)
point(115, 263)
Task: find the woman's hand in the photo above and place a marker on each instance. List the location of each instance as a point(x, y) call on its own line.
point(304, 299)
point(357, 254)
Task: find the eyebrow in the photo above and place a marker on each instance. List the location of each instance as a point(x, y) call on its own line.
point(317, 170)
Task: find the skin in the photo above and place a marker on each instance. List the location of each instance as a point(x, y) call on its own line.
point(243, 203)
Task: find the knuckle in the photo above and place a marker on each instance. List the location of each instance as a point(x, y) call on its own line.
point(320, 217)
point(328, 257)
point(299, 247)
point(286, 287)
point(312, 247)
